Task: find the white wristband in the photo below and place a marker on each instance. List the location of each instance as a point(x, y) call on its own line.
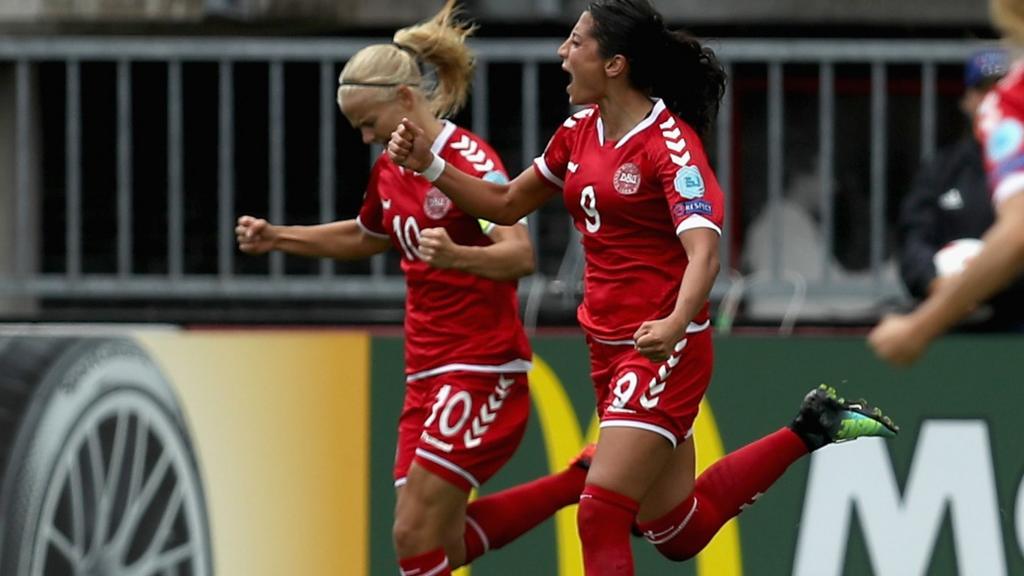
point(436, 168)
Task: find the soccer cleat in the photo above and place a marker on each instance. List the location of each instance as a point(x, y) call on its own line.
point(583, 459)
point(826, 418)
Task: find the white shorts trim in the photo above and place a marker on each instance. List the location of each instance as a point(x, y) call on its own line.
point(1010, 186)
point(694, 222)
point(369, 232)
point(642, 426)
point(693, 328)
point(543, 167)
point(448, 465)
point(401, 482)
point(513, 366)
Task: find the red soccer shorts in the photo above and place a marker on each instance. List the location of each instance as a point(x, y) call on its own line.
point(663, 397)
point(462, 426)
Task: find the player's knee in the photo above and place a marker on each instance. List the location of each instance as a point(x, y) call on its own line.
point(411, 533)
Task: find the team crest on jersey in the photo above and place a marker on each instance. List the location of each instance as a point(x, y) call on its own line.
point(689, 183)
point(436, 205)
point(627, 179)
point(1005, 139)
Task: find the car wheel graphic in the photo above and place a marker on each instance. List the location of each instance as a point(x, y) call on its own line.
point(99, 474)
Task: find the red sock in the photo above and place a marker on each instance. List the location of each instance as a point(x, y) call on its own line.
point(433, 563)
point(721, 492)
point(604, 520)
point(497, 519)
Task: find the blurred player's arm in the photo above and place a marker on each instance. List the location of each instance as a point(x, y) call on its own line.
point(902, 339)
point(918, 228)
point(342, 240)
point(510, 256)
point(995, 267)
point(500, 203)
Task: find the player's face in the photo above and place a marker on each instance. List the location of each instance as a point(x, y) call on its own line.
point(581, 58)
point(375, 119)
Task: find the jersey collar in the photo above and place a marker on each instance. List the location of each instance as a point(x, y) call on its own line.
point(443, 137)
point(659, 107)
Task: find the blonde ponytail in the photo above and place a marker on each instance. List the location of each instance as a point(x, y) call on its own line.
point(431, 56)
point(1008, 17)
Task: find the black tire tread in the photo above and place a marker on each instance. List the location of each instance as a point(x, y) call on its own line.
point(23, 362)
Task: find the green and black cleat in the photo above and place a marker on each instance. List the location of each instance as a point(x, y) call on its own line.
point(826, 418)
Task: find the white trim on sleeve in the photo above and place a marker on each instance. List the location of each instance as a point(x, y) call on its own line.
point(446, 133)
point(543, 167)
point(694, 222)
point(1009, 186)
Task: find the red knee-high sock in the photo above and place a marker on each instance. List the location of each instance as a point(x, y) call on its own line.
point(721, 492)
point(604, 520)
point(433, 563)
point(497, 519)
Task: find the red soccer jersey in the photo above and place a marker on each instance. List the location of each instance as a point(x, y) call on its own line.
point(630, 200)
point(453, 320)
point(1000, 129)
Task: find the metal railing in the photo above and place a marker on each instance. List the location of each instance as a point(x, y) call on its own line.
point(530, 55)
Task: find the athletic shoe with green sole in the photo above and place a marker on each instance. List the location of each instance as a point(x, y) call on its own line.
point(827, 418)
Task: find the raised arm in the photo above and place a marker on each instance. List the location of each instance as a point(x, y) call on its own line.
point(510, 256)
point(500, 203)
point(343, 240)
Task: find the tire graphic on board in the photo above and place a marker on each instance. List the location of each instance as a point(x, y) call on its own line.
point(99, 477)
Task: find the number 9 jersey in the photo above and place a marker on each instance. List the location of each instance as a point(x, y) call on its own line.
point(630, 200)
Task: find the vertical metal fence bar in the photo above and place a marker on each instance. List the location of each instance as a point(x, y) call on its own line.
point(73, 201)
point(327, 175)
point(277, 158)
point(226, 171)
point(379, 262)
point(23, 234)
point(928, 89)
point(175, 184)
point(724, 168)
point(826, 163)
point(878, 167)
point(481, 100)
point(529, 105)
point(775, 163)
point(124, 168)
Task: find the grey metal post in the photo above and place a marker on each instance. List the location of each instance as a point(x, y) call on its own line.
point(775, 163)
point(327, 175)
point(73, 161)
point(277, 167)
point(826, 163)
point(724, 169)
point(226, 172)
point(175, 183)
point(124, 169)
point(879, 141)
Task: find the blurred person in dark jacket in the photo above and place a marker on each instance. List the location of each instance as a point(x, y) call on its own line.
point(950, 201)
